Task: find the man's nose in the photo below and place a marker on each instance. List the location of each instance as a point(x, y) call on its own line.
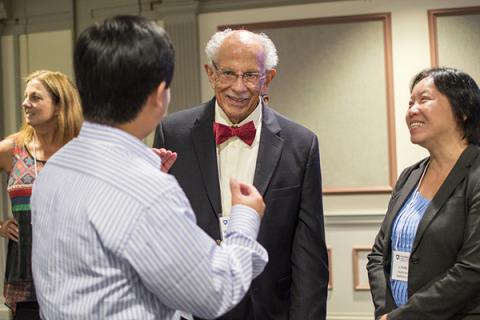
point(239, 84)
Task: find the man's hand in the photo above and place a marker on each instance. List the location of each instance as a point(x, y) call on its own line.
point(9, 229)
point(248, 195)
point(384, 317)
point(168, 158)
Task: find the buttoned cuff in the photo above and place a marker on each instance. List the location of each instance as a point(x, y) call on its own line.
point(244, 220)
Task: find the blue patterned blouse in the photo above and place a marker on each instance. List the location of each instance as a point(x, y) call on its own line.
point(403, 234)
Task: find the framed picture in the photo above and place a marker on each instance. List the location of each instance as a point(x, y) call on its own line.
point(455, 38)
point(359, 259)
point(330, 269)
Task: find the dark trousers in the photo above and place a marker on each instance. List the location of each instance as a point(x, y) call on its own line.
point(27, 311)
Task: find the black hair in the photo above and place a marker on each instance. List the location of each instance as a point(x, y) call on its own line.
point(463, 94)
point(118, 64)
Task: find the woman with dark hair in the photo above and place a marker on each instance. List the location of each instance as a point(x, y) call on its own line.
point(425, 263)
point(53, 116)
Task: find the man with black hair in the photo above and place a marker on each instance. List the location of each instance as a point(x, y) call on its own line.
point(114, 237)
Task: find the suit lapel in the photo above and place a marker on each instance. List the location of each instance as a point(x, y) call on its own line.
point(269, 151)
point(456, 176)
point(406, 190)
point(204, 144)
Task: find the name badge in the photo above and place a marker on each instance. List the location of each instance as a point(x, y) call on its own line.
point(400, 265)
point(223, 226)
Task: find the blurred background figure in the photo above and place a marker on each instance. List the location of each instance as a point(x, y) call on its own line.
point(52, 117)
point(425, 263)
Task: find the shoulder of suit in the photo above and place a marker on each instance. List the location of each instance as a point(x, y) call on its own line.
point(475, 163)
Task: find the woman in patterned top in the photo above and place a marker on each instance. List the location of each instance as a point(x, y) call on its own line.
point(53, 116)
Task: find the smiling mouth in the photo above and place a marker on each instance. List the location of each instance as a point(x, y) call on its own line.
point(416, 124)
point(238, 100)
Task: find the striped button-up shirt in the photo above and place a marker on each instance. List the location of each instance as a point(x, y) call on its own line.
point(115, 238)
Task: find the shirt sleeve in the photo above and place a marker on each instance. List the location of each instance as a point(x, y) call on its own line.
point(183, 267)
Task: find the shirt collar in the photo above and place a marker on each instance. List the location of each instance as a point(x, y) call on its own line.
point(255, 116)
point(107, 136)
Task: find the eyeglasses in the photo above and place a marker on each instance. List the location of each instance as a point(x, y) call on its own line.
point(250, 79)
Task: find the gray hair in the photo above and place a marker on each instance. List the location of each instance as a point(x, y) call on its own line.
point(215, 42)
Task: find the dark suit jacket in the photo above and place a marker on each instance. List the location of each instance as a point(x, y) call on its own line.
point(294, 282)
point(444, 266)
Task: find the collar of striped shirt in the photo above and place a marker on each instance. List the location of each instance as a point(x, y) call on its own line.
point(107, 136)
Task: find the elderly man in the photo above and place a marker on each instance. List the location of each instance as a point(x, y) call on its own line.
point(113, 236)
point(235, 135)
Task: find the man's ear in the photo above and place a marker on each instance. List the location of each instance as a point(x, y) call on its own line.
point(160, 96)
point(269, 77)
point(210, 74)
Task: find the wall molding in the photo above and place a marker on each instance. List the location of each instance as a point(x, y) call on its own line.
point(29, 17)
point(207, 6)
point(355, 219)
point(100, 13)
point(349, 316)
point(177, 6)
point(361, 190)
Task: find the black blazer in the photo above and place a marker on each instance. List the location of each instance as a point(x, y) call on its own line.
point(294, 282)
point(444, 266)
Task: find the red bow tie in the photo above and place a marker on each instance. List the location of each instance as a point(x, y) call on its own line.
point(223, 133)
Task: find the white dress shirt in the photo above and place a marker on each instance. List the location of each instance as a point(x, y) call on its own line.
point(115, 238)
point(235, 158)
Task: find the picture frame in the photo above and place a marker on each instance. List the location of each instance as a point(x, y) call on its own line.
point(359, 263)
point(435, 17)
